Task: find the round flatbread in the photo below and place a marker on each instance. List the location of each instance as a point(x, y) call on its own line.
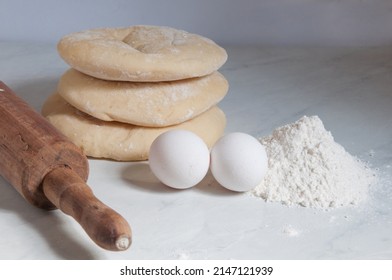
point(156, 104)
point(119, 141)
point(141, 53)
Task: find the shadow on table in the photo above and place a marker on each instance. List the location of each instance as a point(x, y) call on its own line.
point(47, 223)
point(140, 176)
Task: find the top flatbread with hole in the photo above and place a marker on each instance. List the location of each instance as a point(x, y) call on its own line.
point(141, 53)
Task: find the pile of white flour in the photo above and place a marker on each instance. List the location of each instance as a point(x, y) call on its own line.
point(308, 168)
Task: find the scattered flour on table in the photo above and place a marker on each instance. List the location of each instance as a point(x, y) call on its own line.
point(290, 231)
point(182, 255)
point(307, 167)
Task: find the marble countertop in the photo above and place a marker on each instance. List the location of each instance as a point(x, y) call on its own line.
point(350, 89)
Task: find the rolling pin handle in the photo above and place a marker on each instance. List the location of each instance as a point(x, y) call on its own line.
point(68, 192)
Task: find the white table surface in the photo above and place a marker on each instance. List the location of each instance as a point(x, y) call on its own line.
point(350, 89)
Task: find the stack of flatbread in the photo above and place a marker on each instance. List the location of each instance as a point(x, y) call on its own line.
point(126, 86)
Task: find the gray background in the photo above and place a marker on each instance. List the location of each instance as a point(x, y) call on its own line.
point(349, 88)
point(269, 22)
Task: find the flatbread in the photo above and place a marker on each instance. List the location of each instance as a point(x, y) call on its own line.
point(145, 104)
point(119, 141)
point(141, 53)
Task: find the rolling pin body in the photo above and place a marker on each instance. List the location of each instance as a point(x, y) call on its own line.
point(50, 172)
point(30, 148)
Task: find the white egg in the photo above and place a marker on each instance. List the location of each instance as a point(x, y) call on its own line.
point(179, 158)
point(238, 161)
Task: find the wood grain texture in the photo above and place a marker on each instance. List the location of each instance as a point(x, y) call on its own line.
point(69, 193)
point(30, 147)
point(50, 172)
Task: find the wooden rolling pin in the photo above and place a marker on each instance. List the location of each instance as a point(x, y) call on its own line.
point(51, 172)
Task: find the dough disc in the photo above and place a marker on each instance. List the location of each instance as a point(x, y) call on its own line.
point(145, 104)
point(119, 141)
point(141, 53)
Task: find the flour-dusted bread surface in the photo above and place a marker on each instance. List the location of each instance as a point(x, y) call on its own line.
point(119, 141)
point(141, 53)
point(146, 104)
